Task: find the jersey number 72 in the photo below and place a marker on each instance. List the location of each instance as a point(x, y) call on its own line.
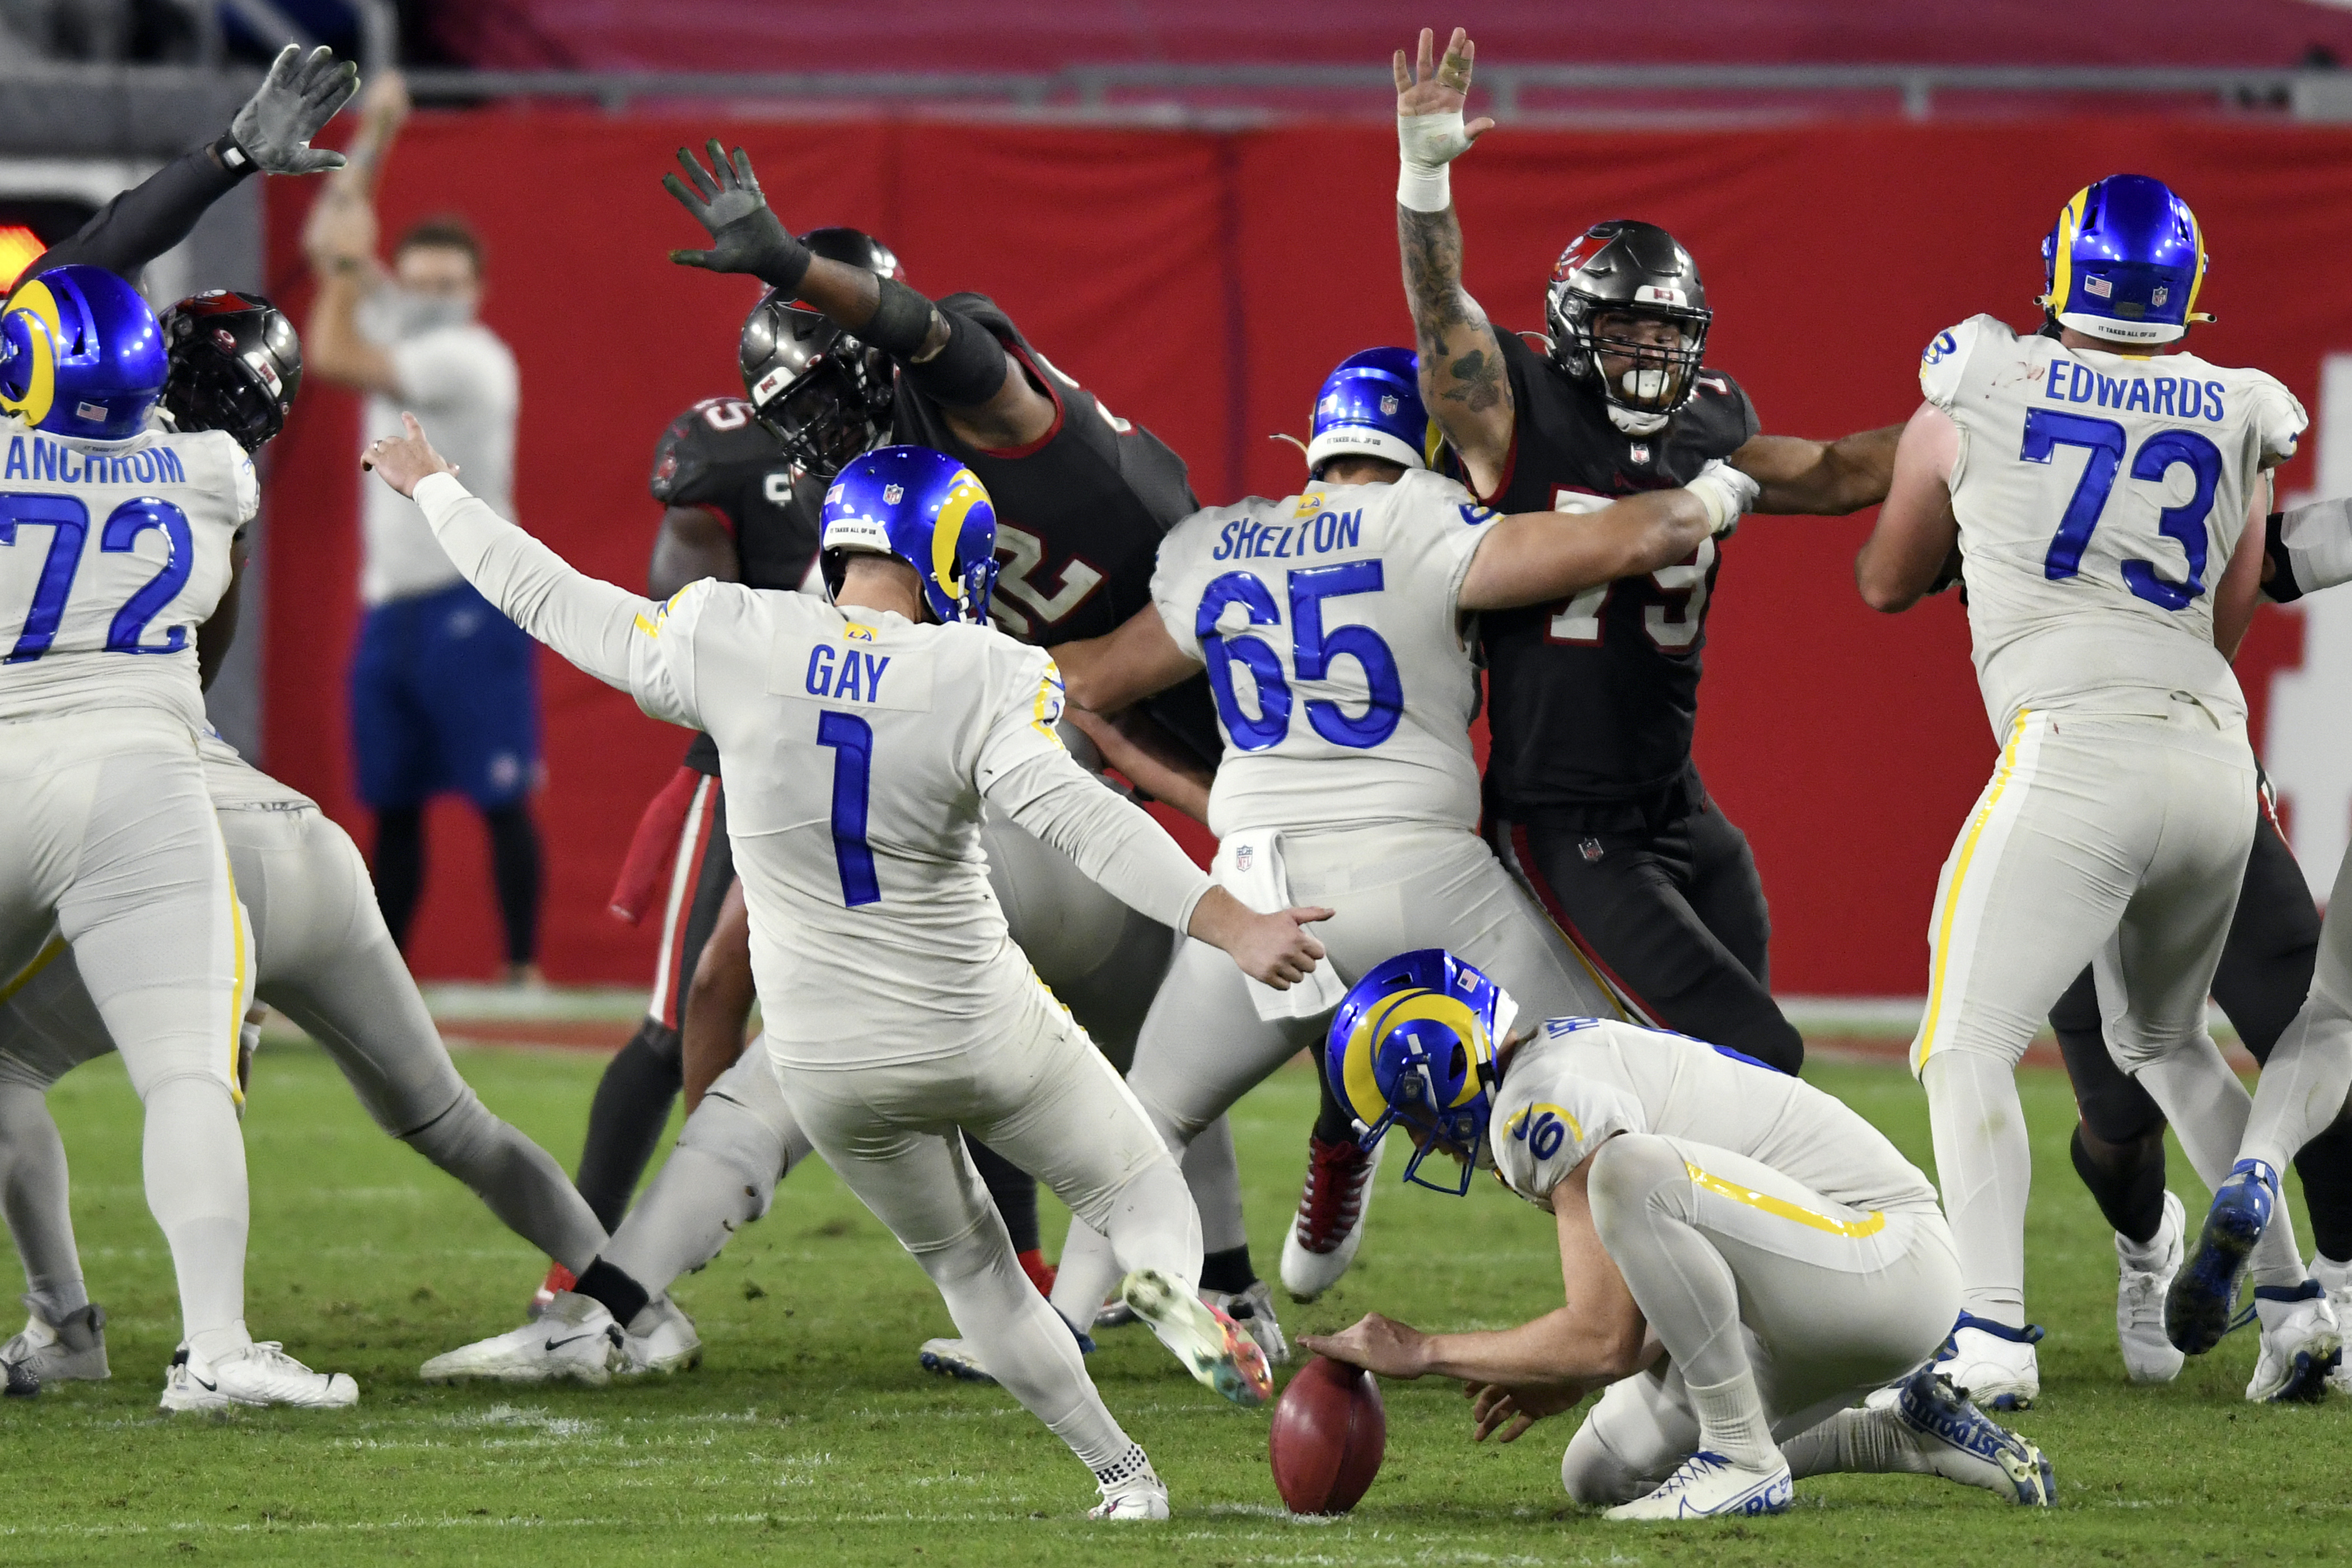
point(68, 521)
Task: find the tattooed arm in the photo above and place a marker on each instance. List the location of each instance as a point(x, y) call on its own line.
point(1462, 375)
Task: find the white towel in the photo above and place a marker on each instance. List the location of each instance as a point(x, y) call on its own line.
point(1249, 867)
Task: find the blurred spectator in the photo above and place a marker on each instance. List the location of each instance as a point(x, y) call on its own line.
point(444, 692)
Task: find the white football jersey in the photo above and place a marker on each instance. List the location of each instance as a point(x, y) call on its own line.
point(1581, 1081)
point(111, 554)
point(855, 755)
point(1331, 625)
point(2100, 497)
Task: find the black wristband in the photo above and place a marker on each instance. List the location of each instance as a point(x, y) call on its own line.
point(901, 321)
point(966, 373)
point(2282, 589)
point(232, 157)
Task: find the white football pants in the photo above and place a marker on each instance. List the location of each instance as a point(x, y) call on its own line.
point(111, 843)
point(1393, 890)
point(2117, 841)
point(1778, 1308)
point(1034, 1088)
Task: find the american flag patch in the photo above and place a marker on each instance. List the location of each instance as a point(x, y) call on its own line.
point(2098, 286)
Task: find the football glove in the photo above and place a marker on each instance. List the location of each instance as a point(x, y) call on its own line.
point(745, 234)
point(295, 101)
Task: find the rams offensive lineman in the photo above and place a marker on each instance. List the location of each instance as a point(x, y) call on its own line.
point(2100, 496)
point(861, 739)
point(1745, 1258)
point(1333, 625)
point(322, 953)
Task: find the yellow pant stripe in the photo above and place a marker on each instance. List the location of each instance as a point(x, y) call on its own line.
point(41, 959)
point(1940, 958)
point(1870, 1223)
point(237, 993)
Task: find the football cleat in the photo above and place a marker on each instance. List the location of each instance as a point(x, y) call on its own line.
point(1322, 1242)
point(575, 1338)
point(671, 1345)
point(1254, 1309)
point(2337, 1279)
point(1709, 1486)
point(71, 1350)
point(1992, 1364)
point(559, 1278)
point(2198, 1308)
point(1133, 1490)
point(961, 1358)
point(2303, 1347)
point(1215, 1349)
point(258, 1375)
point(2148, 1355)
point(1960, 1444)
point(23, 1381)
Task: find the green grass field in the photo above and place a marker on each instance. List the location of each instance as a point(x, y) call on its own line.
point(810, 1435)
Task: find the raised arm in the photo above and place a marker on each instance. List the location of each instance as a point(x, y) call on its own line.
point(1462, 377)
point(270, 135)
point(1820, 479)
point(1531, 558)
point(590, 623)
point(987, 398)
point(1917, 531)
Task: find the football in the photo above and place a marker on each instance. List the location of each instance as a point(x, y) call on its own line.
point(1329, 1432)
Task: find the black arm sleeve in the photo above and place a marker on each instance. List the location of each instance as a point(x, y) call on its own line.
point(148, 219)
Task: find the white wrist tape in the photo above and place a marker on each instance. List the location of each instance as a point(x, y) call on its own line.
point(1726, 492)
point(1427, 144)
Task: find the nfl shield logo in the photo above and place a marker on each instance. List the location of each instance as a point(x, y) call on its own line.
point(1639, 451)
point(2163, 292)
point(891, 494)
point(1589, 849)
point(1387, 403)
point(1243, 855)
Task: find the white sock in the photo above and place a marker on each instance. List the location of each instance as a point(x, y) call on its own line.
point(1861, 1441)
point(1731, 1421)
point(194, 1168)
point(1985, 1169)
point(1215, 1180)
point(2301, 1089)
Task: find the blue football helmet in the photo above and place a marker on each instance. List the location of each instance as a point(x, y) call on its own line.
point(924, 507)
point(2124, 261)
point(80, 355)
point(1370, 407)
point(1415, 1038)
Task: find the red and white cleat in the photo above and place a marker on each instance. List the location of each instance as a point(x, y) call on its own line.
point(1330, 1225)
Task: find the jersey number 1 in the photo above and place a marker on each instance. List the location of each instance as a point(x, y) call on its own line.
point(852, 740)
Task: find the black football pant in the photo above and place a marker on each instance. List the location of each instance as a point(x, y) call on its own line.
point(1670, 912)
point(2265, 975)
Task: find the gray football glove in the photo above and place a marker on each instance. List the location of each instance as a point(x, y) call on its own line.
point(298, 97)
point(745, 234)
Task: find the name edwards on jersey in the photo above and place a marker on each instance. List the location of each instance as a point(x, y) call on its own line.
point(2163, 396)
point(39, 461)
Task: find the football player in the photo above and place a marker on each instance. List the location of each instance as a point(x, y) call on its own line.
point(1590, 792)
point(117, 546)
point(1085, 498)
point(322, 953)
point(740, 486)
point(2101, 515)
point(898, 1010)
point(1334, 628)
point(1745, 1258)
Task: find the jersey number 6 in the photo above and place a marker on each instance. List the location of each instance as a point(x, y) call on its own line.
point(1311, 653)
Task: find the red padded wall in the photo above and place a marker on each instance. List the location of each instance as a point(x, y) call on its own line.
point(1203, 284)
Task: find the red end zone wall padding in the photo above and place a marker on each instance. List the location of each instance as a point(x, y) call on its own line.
point(1202, 285)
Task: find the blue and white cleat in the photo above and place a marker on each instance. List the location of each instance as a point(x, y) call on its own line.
point(2204, 1294)
point(1992, 1364)
point(960, 1359)
point(1709, 1486)
point(1959, 1442)
point(2303, 1345)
